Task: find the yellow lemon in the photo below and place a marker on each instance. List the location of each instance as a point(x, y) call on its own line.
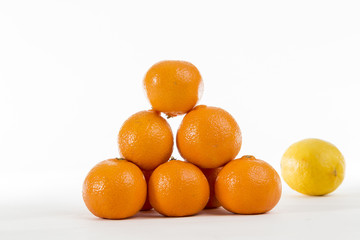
point(313, 167)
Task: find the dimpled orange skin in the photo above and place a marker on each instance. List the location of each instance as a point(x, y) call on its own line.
point(146, 139)
point(114, 189)
point(147, 206)
point(173, 87)
point(211, 174)
point(208, 137)
point(178, 189)
point(248, 186)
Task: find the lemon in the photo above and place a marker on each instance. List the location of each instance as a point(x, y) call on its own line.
point(313, 167)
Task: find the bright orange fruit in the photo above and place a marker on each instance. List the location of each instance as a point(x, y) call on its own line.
point(146, 139)
point(208, 137)
point(114, 189)
point(248, 186)
point(211, 175)
point(178, 188)
point(147, 206)
point(173, 87)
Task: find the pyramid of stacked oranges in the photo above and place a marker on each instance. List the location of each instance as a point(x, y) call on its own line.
point(208, 138)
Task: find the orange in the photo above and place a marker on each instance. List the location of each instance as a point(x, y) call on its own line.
point(147, 206)
point(208, 137)
point(146, 139)
point(114, 189)
point(211, 175)
point(173, 87)
point(248, 186)
point(178, 188)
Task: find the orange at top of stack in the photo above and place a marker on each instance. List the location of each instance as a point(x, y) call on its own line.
point(173, 87)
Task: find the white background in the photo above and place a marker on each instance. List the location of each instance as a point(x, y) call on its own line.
point(71, 72)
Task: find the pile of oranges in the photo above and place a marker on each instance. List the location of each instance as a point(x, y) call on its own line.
point(208, 138)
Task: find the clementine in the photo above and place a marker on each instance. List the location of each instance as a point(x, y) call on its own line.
point(173, 87)
point(248, 186)
point(114, 189)
point(146, 139)
point(208, 137)
point(147, 206)
point(178, 188)
point(211, 175)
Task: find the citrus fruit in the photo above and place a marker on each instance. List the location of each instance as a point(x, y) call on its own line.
point(208, 137)
point(173, 87)
point(147, 206)
point(313, 167)
point(178, 188)
point(146, 139)
point(211, 174)
point(248, 186)
point(114, 189)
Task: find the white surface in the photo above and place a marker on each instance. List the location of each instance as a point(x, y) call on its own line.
point(71, 72)
point(296, 217)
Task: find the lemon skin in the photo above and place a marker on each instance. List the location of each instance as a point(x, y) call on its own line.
point(313, 167)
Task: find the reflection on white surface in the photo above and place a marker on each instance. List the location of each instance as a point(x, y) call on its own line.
point(296, 217)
